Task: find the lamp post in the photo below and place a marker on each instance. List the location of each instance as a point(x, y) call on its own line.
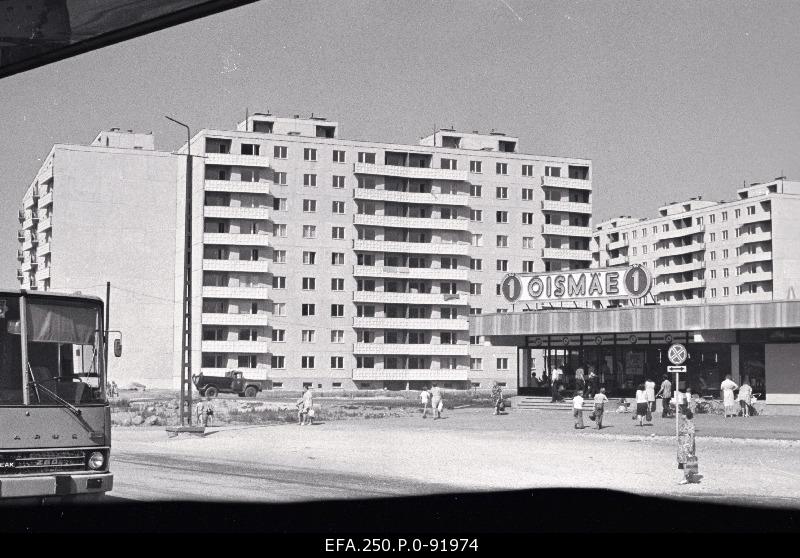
point(186, 322)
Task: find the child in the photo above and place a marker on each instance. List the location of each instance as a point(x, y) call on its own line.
point(599, 407)
point(642, 406)
point(745, 393)
point(300, 411)
point(577, 409)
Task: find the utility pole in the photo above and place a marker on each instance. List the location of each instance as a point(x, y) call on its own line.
point(108, 326)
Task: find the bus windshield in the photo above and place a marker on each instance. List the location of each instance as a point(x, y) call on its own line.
point(64, 349)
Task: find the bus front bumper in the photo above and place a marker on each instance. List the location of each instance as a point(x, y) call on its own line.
point(55, 485)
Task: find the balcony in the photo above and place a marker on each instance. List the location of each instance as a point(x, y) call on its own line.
point(45, 173)
point(670, 251)
point(226, 319)
point(410, 272)
point(684, 286)
point(566, 254)
point(573, 183)
point(44, 248)
point(756, 217)
point(681, 268)
point(411, 323)
point(247, 293)
point(410, 197)
point(419, 173)
point(412, 222)
point(237, 160)
point(454, 249)
point(567, 230)
point(235, 346)
point(617, 244)
point(20, 256)
point(684, 231)
point(28, 223)
point(29, 244)
point(227, 212)
point(29, 202)
point(565, 206)
point(410, 374)
point(250, 266)
point(380, 297)
point(755, 277)
point(232, 239)
point(237, 187)
point(28, 266)
point(46, 223)
point(748, 258)
point(46, 199)
point(410, 349)
point(762, 236)
point(43, 273)
point(619, 260)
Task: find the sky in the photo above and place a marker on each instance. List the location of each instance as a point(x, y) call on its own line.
point(669, 100)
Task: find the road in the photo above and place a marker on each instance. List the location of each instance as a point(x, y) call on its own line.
point(470, 450)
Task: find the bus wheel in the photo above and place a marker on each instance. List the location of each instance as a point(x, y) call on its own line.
point(211, 391)
point(250, 391)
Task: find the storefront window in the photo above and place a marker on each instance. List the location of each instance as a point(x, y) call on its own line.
point(751, 367)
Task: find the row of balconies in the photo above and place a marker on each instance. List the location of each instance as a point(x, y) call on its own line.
point(46, 199)
point(455, 249)
point(227, 212)
point(247, 293)
point(571, 183)
point(754, 257)
point(566, 254)
point(411, 323)
point(420, 173)
point(685, 231)
point(681, 268)
point(762, 236)
point(567, 230)
point(411, 197)
point(234, 239)
point(228, 319)
point(235, 160)
point(617, 244)
point(756, 217)
point(381, 297)
point(237, 187)
point(236, 346)
point(755, 277)
point(684, 286)
point(410, 272)
point(412, 222)
point(461, 349)
point(411, 374)
point(566, 206)
point(251, 266)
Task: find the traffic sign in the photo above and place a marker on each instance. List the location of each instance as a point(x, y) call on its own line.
point(676, 369)
point(677, 354)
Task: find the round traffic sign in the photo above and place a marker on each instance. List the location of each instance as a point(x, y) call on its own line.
point(677, 354)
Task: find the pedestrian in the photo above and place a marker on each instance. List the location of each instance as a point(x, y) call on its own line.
point(592, 382)
point(687, 458)
point(577, 409)
point(745, 394)
point(642, 407)
point(580, 380)
point(555, 382)
point(666, 395)
point(497, 397)
point(436, 401)
point(650, 391)
point(209, 413)
point(425, 397)
point(727, 386)
point(600, 401)
point(307, 405)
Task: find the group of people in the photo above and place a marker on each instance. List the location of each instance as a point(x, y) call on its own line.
point(305, 407)
point(432, 400)
point(588, 385)
point(729, 399)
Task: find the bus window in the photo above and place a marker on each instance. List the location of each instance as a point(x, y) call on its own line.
point(10, 351)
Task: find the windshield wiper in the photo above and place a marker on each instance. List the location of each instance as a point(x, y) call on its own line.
point(63, 402)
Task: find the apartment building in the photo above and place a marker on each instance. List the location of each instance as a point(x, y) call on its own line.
point(705, 251)
point(357, 264)
point(106, 212)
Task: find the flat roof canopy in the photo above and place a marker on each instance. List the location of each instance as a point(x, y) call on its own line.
point(631, 319)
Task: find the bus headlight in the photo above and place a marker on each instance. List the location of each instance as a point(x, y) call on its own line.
point(96, 460)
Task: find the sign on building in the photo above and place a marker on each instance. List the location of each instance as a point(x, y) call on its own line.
point(584, 284)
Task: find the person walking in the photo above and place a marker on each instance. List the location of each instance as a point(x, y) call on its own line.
point(592, 382)
point(497, 397)
point(650, 391)
point(307, 405)
point(436, 400)
point(600, 401)
point(642, 407)
point(745, 395)
point(666, 396)
point(425, 397)
point(577, 409)
point(580, 380)
point(555, 382)
point(727, 387)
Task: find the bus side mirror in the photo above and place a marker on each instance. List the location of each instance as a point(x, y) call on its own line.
point(117, 348)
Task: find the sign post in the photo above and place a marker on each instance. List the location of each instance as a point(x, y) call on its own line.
point(677, 355)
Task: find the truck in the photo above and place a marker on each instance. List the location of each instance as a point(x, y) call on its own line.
point(232, 382)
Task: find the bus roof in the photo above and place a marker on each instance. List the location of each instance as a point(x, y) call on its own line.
point(50, 294)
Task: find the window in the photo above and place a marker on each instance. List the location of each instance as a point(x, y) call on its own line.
point(713, 293)
point(337, 336)
point(527, 170)
point(552, 171)
point(338, 156)
point(475, 265)
point(475, 190)
point(644, 249)
point(474, 288)
point(724, 215)
point(475, 166)
point(247, 361)
point(502, 364)
point(725, 253)
point(338, 182)
point(501, 168)
point(251, 149)
point(498, 289)
point(248, 175)
point(474, 364)
point(278, 335)
point(502, 241)
point(502, 216)
point(665, 227)
point(337, 310)
point(337, 233)
point(725, 272)
point(279, 204)
point(634, 251)
point(337, 284)
point(447, 338)
point(307, 336)
point(501, 193)
point(368, 158)
point(502, 265)
point(527, 266)
point(308, 310)
point(725, 291)
point(713, 273)
point(724, 235)
point(309, 231)
point(698, 221)
point(527, 242)
point(527, 194)
point(751, 210)
point(365, 362)
point(475, 311)
point(307, 362)
point(737, 213)
point(309, 154)
point(475, 215)
point(337, 362)
point(337, 207)
point(279, 178)
point(278, 282)
point(309, 283)
point(279, 151)
point(527, 218)
point(278, 361)
point(712, 219)
point(712, 237)
point(279, 309)
point(279, 256)
point(337, 258)
point(713, 255)
point(477, 240)
point(310, 180)
point(451, 164)
point(309, 258)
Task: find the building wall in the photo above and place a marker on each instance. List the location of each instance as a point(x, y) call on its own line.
point(782, 373)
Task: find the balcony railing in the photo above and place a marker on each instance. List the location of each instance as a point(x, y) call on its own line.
point(670, 251)
point(46, 223)
point(619, 260)
point(565, 206)
point(236, 239)
point(755, 277)
point(257, 266)
point(756, 217)
point(683, 286)
point(762, 236)
point(410, 272)
point(410, 197)
point(46, 199)
point(685, 231)
point(247, 293)
point(43, 273)
point(44, 248)
point(420, 173)
point(455, 249)
point(235, 346)
point(755, 257)
point(411, 298)
point(681, 268)
point(461, 349)
point(220, 318)
point(573, 183)
point(617, 244)
point(237, 160)
point(410, 374)
point(566, 230)
point(45, 174)
point(237, 186)
point(566, 254)
point(227, 212)
point(412, 222)
point(411, 323)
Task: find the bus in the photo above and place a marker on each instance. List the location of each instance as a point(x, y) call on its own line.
point(55, 419)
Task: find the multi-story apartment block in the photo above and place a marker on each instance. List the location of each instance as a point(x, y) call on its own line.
point(106, 212)
point(704, 251)
point(341, 263)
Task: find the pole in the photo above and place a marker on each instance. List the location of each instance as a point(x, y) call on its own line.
point(108, 325)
